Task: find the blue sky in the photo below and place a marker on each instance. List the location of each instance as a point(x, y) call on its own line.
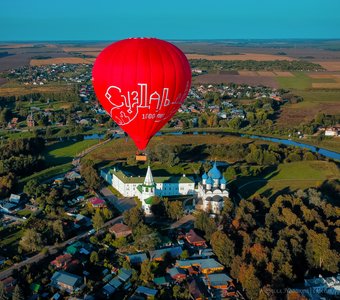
point(23, 20)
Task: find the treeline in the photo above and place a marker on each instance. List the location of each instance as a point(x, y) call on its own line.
point(267, 246)
point(253, 65)
point(253, 154)
point(259, 154)
point(19, 157)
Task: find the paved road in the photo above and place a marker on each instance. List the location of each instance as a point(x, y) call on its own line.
point(53, 249)
point(122, 204)
point(182, 221)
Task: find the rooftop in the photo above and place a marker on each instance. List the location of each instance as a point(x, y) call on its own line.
point(137, 258)
point(160, 179)
point(159, 253)
point(206, 263)
point(217, 279)
point(192, 237)
point(66, 278)
point(119, 227)
point(97, 201)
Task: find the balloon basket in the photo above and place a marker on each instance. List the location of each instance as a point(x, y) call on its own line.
point(141, 157)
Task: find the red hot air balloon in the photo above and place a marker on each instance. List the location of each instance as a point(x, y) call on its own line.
point(141, 83)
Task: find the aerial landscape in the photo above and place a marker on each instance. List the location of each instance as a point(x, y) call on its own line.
point(172, 151)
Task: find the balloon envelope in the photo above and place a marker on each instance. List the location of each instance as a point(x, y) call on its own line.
point(141, 83)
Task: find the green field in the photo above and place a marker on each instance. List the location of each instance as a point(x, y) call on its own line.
point(300, 81)
point(47, 173)
point(319, 95)
point(9, 239)
point(289, 177)
point(63, 152)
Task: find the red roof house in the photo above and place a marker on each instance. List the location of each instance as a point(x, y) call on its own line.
point(97, 202)
point(194, 239)
point(120, 230)
point(62, 261)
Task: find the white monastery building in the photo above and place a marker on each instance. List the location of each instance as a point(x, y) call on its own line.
point(211, 190)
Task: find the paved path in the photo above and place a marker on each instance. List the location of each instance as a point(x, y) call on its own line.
point(122, 204)
point(182, 221)
point(53, 249)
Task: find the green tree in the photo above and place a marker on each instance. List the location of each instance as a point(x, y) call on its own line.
point(3, 295)
point(319, 254)
point(89, 173)
point(184, 255)
point(97, 220)
point(223, 247)
point(94, 257)
point(235, 123)
point(146, 238)
point(17, 293)
point(107, 213)
point(133, 217)
point(31, 187)
point(31, 241)
point(146, 274)
point(174, 209)
point(250, 282)
point(58, 229)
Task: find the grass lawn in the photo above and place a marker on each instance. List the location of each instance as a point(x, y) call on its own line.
point(24, 213)
point(47, 173)
point(122, 148)
point(10, 237)
point(63, 152)
point(289, 177)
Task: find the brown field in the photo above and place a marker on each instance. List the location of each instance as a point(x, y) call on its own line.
point(321, 76)
point(326, 85)
point(15, 46)
point(94, 53)
point(243, 56)
point(296, 114)
point(266, 73)
point(247, 73)
point(82, 49)
point(330, 65)
point(61, 60)
point(284, 74)
point(2, 80)
point(23, 90)
point(14, 61)
point(239, 79)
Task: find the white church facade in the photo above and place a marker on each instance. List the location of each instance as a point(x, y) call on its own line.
point(149, 186)
point(212, 189)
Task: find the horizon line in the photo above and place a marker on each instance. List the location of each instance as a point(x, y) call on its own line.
point(173, 39)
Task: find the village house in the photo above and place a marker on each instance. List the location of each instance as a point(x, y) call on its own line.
point(9, 284)
point(136, 258)
point(62, 261)
point(177, 274)
point(205, 265)
point(97, 202)
point(197, 290)
point(220, 282)
point(67, 281)
point(332, 131)
point(120, 230)
point(158, 255)
point(194, 239)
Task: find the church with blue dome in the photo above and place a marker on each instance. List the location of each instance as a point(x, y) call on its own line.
point(212, 189)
